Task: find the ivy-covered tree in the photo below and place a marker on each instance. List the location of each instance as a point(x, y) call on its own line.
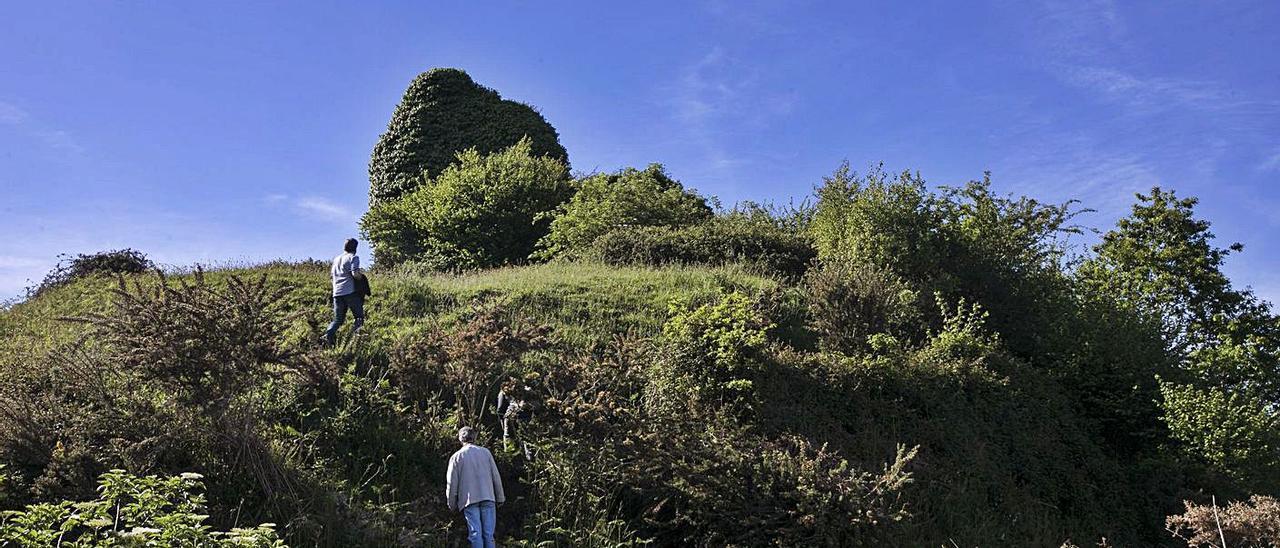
point(443, 113)
point(627, 198)
point(484, 211)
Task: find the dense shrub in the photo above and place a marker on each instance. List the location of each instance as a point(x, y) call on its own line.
point(1001, 252)
point(850, 302)
point(711, 355)
point(466, 363)
point(1234, 432)
point(1251, 524)
point(203, 343)
point(130, 511)
point(108, 263)
point(766, 249)
point(174, 381)
point(628, 198)
point(879, 219)
point(484, 211)
point(442, 113)
point(604, 476)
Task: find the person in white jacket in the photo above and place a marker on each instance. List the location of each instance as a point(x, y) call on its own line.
point(474, 487)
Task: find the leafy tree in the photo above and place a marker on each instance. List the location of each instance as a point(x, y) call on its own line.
point(443, 113)
point(487, 210)
point(966, 242)
point(1224, 403)
point(628, 198)
point(1161, 259)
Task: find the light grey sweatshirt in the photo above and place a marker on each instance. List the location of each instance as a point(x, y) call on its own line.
point(343, 273)
point(472, 477)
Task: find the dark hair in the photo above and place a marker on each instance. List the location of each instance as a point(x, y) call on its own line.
point(350, 246)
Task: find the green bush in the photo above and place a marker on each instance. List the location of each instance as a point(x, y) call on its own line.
point(628, 198)
point(850, 302)
point(484, 211)
point(764, 248)
point(712, 354)
point(130, 511)
point(1234, 432)
point(443, 113)
point(104, 263)
point(966, 242)
point(879, 219)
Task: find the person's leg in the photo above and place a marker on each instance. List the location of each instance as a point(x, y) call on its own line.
point(339, 316)
point(506, 432)
point(356, 303)
point(475, 525)
point(489, 519)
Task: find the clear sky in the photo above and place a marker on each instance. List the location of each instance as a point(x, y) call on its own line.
point(241, 131)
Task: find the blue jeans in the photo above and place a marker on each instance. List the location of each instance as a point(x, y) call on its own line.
point(341, 303)
point(481, 517)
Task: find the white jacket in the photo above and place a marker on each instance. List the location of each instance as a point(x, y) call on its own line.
point(472, 477)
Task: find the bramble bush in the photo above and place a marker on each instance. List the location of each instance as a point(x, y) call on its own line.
point(1255, 523)
point(851, 302)
point(103, 263)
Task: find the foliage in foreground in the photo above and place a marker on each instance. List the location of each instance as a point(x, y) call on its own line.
point(130, 511)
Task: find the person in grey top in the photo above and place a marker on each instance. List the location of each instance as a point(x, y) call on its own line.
point(474, 486)
point(344, 272)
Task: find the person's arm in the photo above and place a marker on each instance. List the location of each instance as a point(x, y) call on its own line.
point(355, 264)
point(498, 495)
point(451, 484)
point(503, 402)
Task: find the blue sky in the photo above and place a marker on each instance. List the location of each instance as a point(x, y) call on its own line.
point(240, 131)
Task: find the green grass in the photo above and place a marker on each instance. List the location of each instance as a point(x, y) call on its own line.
point(583, 302)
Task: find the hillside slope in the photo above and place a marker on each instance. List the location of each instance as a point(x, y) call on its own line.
point(683, 405)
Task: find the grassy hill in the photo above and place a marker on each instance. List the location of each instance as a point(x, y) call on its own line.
point(642, 432)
